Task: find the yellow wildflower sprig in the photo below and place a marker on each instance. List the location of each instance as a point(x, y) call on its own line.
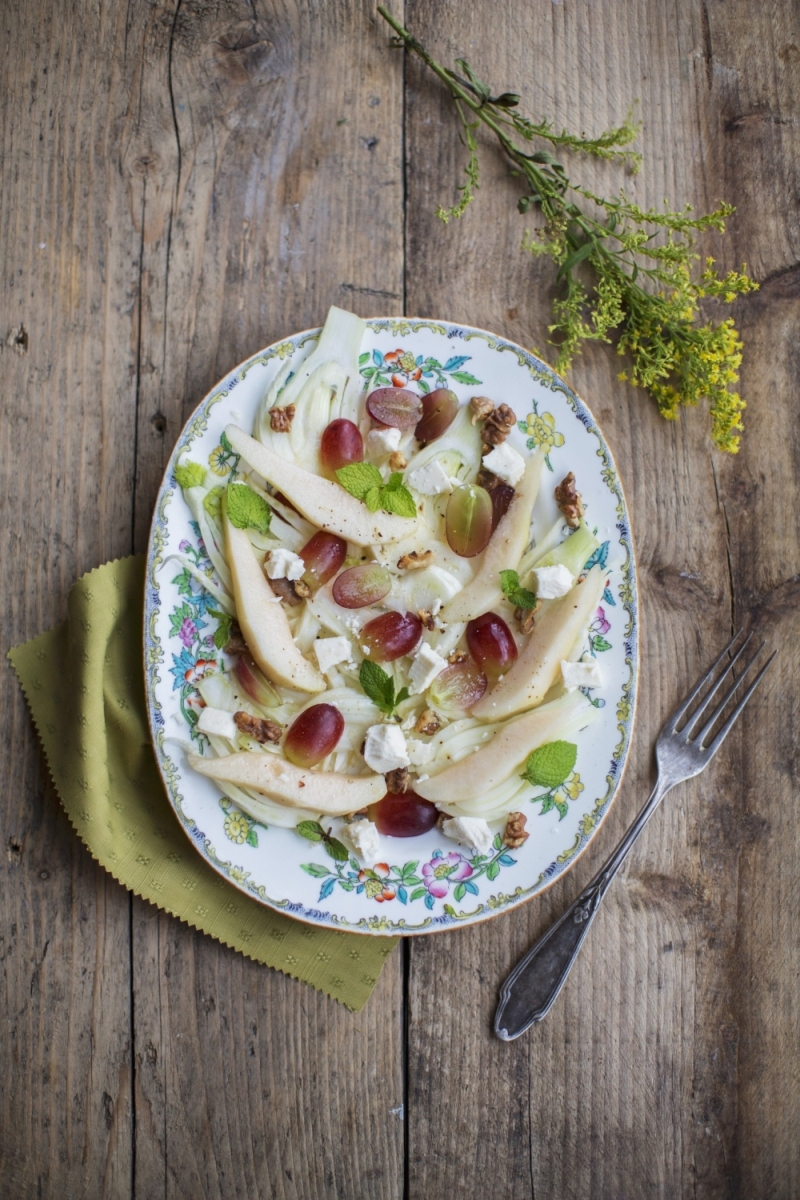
point(629, 272)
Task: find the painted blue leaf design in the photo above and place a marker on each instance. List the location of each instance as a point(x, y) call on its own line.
point(377, 358)
point(419, 360)
point(402, 895)
point(327, 888)
point(507, 860)
point(453, 364)
point(599, 558)
point(471, 887)
point(429, 901)
point(608, 598)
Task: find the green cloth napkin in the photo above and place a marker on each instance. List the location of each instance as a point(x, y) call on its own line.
point(84, 683)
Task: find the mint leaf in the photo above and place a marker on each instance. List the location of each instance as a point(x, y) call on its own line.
point(190, 475)
point(520, 597)
point(402, 695)
point(246, 509)
point(222, 634)
point(337, 851)
point(378, 685)
point(212, 502)
point(373, 499)
point(394, 482)
point(311, 830)
point(549, 765)
point(359, 478)
point(398, 500)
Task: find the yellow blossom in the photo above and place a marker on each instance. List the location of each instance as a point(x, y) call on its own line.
point(543, 432)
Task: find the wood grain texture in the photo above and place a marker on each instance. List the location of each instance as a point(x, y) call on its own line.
point(659, 1070)
point(181, 184)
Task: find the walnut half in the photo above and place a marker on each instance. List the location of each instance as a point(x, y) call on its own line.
point(280, 419)
point(428, 722)
point(526, 617)
point(568, 499)
point(498, 425)
point(397, 780)
point(515, 834)
point(260, 728)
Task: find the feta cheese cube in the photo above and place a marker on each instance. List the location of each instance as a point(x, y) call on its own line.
point(333, 650)
point(506, 463)
point(469, 831)
point(430, 480)
point(284, 564)
point(425, 667)
point(420, 753)
point(581, 674)
point(364, 839)
point(381, 442)
point(217, 722)
point(385, 749)
point(551, 582)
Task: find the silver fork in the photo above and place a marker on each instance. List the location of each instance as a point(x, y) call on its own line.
point(681, 752)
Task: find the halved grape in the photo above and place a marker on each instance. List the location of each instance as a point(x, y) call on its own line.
point(341, 444)
point(501, 496)
point(457, 688)
point(362, 585)
point(491, 644)
point(323, 555)
point(252, 680)
point(439, 410)
point(406, 815)
point(395, 406)
point(313, 735)
point(391, 635)
point(468, 520)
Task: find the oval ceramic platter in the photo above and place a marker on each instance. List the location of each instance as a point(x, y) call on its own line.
point(426, 883)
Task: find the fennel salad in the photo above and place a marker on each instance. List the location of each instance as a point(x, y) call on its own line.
point(397, 652)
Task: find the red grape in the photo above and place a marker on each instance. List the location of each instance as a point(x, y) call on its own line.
point(500, 496)
point(405, 815)
point(254, 682)
point(313, 735)
point(468, 520)
point(341, 445)
point(457, 688)
point(439, 410)
point(391, 635)
point(323, 554)
point(491, 644)
point(362, 585)
point(395, 406)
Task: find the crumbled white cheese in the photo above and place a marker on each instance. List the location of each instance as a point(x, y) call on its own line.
point(506, 463)
point(420, 753)
point(217, 722)
point(431, 479)
point(330, 651)
point(425, 667)
point(581, 674)
point(385, 748)
point(284, 564)
point(551, 582)
point(365, 840)
point(469, 831)
point(381, 442)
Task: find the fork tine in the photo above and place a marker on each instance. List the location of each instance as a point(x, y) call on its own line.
point(696, 717)
point(686, 704)
point(717, 713)
point(726, 728)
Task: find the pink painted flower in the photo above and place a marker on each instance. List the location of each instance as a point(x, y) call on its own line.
point(187, 632)
point(184, 546)
point(600, 624)
point(442, 870)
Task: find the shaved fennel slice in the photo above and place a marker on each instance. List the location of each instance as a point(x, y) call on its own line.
point(223, 599)
point(458, 449)
point(194, 498)
point(263, 810)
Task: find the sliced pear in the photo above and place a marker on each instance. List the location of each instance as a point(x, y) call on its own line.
point(505, 549)
point(539, 662)
point(262, 618)
point(321, 791)
point(324, 503)
point(476, 774)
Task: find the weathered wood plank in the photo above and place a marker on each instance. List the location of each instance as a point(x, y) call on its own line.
point(645, 1078)
point(273, 188)
point(69, 274)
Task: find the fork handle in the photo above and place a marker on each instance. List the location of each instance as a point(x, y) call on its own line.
point(530, 990)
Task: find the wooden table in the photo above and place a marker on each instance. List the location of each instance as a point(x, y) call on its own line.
point(182, 184)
